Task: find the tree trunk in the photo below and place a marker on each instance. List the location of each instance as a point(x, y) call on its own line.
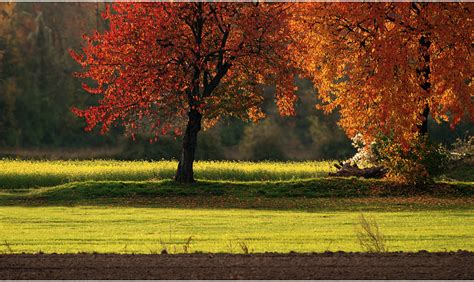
point(185, 172)
point(424, 124)
point(425, 83)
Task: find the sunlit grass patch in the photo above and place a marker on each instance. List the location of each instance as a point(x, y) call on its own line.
point(26, 174)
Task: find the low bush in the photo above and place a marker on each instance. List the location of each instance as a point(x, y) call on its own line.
point(462, 151)
point(415, 163)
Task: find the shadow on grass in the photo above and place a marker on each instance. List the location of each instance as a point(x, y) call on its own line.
point(310, 194)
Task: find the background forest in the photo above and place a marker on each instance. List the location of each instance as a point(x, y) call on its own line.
point(37, 91)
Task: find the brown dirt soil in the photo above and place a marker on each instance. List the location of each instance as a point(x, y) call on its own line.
point(422, 265)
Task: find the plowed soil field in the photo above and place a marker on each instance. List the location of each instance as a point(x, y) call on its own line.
point(421, 265)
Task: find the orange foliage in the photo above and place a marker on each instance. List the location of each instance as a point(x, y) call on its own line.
point(382, 64)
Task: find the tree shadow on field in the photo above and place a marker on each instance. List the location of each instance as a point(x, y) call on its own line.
point(312, 194)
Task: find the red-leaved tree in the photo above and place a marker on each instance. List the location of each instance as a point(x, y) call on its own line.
point(162, 67)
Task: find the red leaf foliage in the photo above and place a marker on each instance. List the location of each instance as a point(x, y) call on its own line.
point(157, 61)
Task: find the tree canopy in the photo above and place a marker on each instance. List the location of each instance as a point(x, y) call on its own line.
point(386, 66)
point(159, 61)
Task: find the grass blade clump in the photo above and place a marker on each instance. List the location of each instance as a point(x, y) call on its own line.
point(369, 235)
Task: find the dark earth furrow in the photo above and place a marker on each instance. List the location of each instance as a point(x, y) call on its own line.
point(422, 265)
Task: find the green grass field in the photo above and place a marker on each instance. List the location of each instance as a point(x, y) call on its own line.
point(125, 207)
point(149, 230)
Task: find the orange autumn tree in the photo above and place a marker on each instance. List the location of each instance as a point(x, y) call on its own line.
point(164, 67)
point(387, 66)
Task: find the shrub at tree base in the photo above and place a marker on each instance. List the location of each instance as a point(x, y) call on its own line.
point(417, 165)
point(462, 151)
